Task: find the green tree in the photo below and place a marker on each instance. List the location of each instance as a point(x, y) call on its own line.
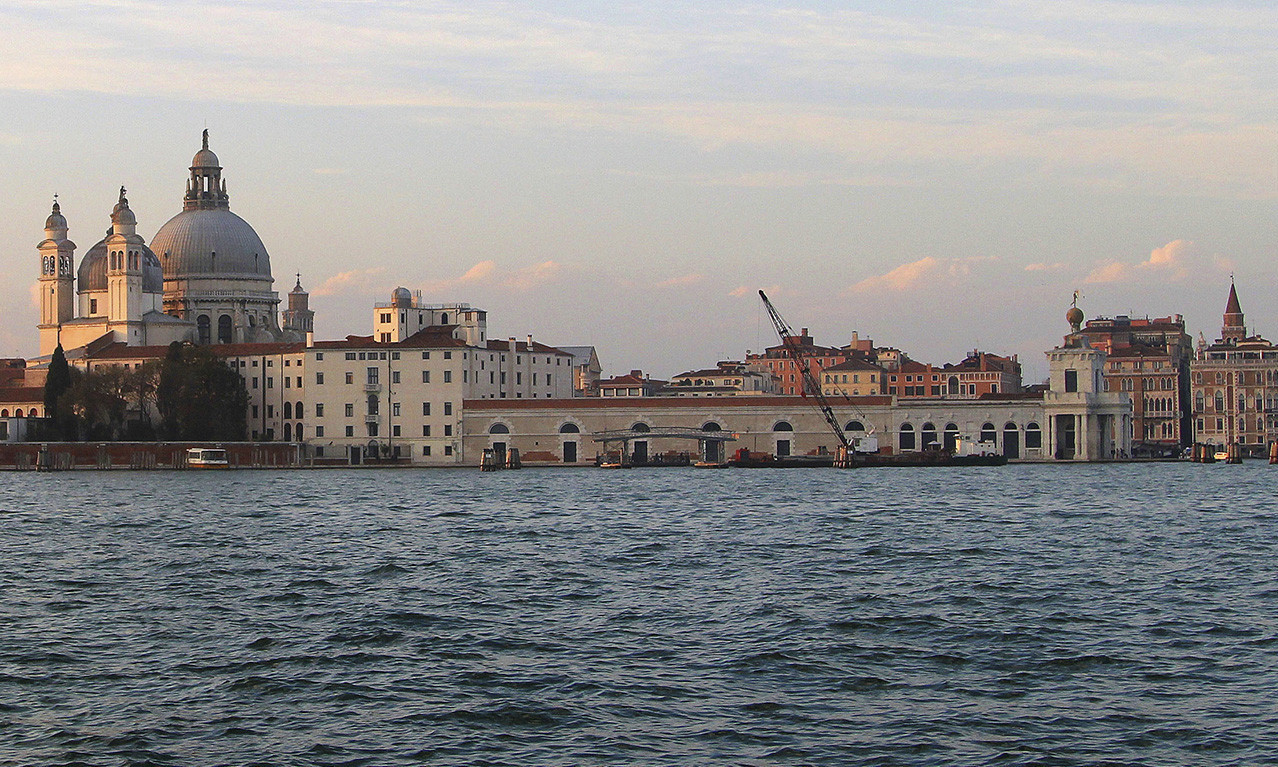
point(199, 397)
point(56, 384)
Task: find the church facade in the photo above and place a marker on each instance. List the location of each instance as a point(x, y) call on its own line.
point(205, 277)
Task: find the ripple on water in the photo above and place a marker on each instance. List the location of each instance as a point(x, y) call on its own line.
point(1026, 616)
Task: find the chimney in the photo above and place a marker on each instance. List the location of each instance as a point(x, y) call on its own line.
point(514, 346)
point(530, 343)
point(310, 338)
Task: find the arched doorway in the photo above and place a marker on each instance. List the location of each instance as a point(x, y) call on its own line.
point(224, 329)
point(639, 451)
point(711, 450)
point(1011, 440)
point(951, 437)
point(784, 438)
point(570, 443)
point(499, 442)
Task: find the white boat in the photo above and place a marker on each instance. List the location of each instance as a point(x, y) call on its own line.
point(206, 458)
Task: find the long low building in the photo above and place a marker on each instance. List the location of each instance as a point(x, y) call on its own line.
point(1073, 420)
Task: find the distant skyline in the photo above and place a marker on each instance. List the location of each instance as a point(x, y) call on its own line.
point(628, 175)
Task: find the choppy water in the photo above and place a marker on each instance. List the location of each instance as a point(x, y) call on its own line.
point(1026, 615)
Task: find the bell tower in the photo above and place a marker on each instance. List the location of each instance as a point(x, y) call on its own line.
point(124, 273)
point(57, 281)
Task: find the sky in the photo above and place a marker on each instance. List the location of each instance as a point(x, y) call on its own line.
point(940, 177)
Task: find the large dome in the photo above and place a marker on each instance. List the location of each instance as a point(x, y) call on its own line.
point(211, 242)
point(92, 274)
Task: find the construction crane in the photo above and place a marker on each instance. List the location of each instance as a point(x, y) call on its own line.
point(811, 387)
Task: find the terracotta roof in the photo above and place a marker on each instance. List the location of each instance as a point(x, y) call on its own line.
point(22, 395)
point(855, 364)
point(1232, 306)
point(657, 403)
point(522, 346)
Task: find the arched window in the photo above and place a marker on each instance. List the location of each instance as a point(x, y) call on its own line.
point(297, 412)
point(288, 411)
point(1198, 402)
point(224, 329)
point(499, 428)
point(782, 426)
point(17, 413)
point(298, 434)
point(372, 404)
point(202, 323)
point(906, 440)
point(954, 385)
point(711, 426)
point(4, 413)
point(1033, 435)
point(854, 426)
point(988, 434)
point(288, 431)
point(951, 436)
point(640, 427)
point(929, 435)
point(1220, 402)
point(570, 428)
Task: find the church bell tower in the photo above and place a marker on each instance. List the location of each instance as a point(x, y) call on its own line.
point(124, 273)
point(57, 281)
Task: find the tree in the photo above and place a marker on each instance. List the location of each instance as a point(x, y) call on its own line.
point(56, 384)
point(199, 397)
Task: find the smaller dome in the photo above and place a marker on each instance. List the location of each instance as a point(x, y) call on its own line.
point(55, 220)
point(205, 159)
point(1074, 316)
point(402, 298)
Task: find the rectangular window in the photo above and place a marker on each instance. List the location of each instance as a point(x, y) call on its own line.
point(350, 410)
point(1071, 380)
point(394, 376)
point(395, 409)
point(425, 449)
point(425, 355)
point(519, 379)
point(372, 375)
point(287, 381)
point(425, 376)
point(319, 356)
point(319, 410)
point(394, 355)
point(255, 411)
point(448, 355)
point(448, 430)
point(448, 449)
point(426, 430)
point(270, 411)
point(270, 383)
point(299, 382)
point(350, 431)
point(395, 430)
point(350, 377)
point(425, 408)
point(350, 355)
point(448, 376)
point(254, 382)
point(448, 408)
point(319, 431)
point(319, 379)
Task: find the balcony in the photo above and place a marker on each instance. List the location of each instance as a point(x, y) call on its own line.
point(372, 387)
point(372, 418)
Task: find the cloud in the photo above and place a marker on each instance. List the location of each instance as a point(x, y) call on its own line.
point(488, 274)
point(1174, 261)
point(1044, 267)
point(915, 273)
point(354, 281)
point(1111, 271)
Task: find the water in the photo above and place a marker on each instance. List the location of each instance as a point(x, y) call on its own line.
point(1028, 615)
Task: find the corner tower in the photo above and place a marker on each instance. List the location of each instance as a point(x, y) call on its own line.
point(57, 283)
point(1234, 328)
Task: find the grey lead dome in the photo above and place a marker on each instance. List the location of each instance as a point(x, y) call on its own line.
point(210, 242)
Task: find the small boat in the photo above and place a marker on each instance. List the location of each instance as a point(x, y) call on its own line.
point(207, 458)
point(710, 465)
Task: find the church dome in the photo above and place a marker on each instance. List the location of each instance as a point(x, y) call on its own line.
point(210, 242)
point(205, 159)
point(56, 220)
point(92, 274)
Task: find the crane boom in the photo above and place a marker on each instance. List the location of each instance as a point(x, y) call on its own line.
point(811, 387)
